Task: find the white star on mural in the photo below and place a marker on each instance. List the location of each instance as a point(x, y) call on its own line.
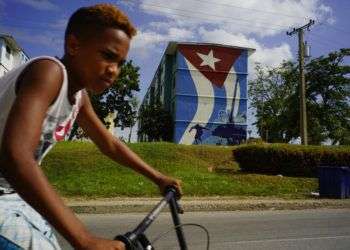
point(209, 59)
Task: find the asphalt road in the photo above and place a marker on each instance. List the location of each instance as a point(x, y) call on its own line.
point(301, 229)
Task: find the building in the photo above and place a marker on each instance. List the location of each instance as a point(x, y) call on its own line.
point(11, 54)
point(204, 87)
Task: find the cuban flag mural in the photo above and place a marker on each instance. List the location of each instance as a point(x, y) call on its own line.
point(210, 95)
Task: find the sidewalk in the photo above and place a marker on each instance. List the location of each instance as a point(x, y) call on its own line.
point(135, 205)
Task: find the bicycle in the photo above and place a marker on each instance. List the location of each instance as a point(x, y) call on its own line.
point(137, 240)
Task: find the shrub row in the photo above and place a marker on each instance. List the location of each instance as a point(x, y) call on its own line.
point(289, 159)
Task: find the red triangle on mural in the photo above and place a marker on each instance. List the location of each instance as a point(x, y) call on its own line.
point(214, 62)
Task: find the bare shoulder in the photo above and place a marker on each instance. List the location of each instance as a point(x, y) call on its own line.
point(43, 77)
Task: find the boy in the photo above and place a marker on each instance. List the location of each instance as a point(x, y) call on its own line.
point(39, 102)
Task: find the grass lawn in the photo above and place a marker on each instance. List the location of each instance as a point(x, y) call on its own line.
point(79, 169)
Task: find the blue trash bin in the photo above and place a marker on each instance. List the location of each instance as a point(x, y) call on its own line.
point(334, 182)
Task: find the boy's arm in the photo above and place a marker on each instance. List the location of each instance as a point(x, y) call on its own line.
point(117, 150)
point(21, 136)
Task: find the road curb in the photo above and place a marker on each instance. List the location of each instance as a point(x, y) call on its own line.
point(190, 205)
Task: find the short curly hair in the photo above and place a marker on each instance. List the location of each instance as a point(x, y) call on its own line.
point(87, 21)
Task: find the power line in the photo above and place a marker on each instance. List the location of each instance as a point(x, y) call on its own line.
point(330, 41)
point(195, 17)
point(26, 21)
point(220, 16)
point(333, 27)
point(340, 30)
point(208, 14)
point(201, 18)
point(173, 14)
point(320, 44)
point(324, 42)
point(26, 27)
point(250, 9)
point(336, 28)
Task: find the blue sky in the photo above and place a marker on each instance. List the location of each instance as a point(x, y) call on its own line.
point(38, 26)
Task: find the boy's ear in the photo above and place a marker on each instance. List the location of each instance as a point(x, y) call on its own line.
point(72, 44)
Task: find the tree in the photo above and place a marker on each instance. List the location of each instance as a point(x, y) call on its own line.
point(117, 98)
point(155, 123)
point(269, 93)
point(275, 96)
point(328, 92)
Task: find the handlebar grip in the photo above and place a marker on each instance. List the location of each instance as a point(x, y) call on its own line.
point(125, 239)
point(174, 190)
point(176, 196)
point(141, 242)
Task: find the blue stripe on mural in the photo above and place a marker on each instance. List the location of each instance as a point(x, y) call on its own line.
point(241, 63)
point(186, 99)
point(242, 79)
point(243, 96)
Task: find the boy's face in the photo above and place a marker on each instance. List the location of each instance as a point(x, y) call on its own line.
point(96, 62)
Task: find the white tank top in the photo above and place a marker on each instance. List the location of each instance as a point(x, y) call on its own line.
point(59, 118)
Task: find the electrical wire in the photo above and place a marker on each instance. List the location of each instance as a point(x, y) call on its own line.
point(221, 18)
point(331, 42)
point(201, 18)
point(24, 27)
point(183, 225)
point(250, 9)
point(333, 27)
point(322, 25)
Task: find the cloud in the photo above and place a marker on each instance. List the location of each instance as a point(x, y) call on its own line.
point(48, 39)
point(224, 22)
point(39, 4)
point(60, 24)
point(128, 4)
point(263, 18)
point(328, 13)
point(269, 56)
point(148, 40)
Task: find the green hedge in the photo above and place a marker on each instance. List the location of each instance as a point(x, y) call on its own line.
point(290, 159)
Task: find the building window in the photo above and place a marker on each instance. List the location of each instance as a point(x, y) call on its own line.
point(8, 52)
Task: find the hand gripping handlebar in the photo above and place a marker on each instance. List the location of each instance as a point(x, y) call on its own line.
point(137, 240)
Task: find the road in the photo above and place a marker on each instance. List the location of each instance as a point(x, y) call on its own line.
point(301, 229)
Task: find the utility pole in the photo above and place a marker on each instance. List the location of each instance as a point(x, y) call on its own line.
point(302, 102)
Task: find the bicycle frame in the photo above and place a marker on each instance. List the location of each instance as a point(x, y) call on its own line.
point(136, 239)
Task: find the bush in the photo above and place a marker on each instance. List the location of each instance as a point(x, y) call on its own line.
point(289, 159)
point(253, 140)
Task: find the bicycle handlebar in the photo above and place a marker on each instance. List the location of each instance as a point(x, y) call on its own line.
point(136, 239)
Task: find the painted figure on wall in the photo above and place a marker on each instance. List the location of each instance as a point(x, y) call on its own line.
point(199, 132)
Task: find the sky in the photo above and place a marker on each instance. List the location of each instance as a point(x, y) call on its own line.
point(38, 27)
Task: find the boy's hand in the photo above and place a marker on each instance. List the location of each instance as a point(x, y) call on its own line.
point(102, 244)
point(165, 181)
